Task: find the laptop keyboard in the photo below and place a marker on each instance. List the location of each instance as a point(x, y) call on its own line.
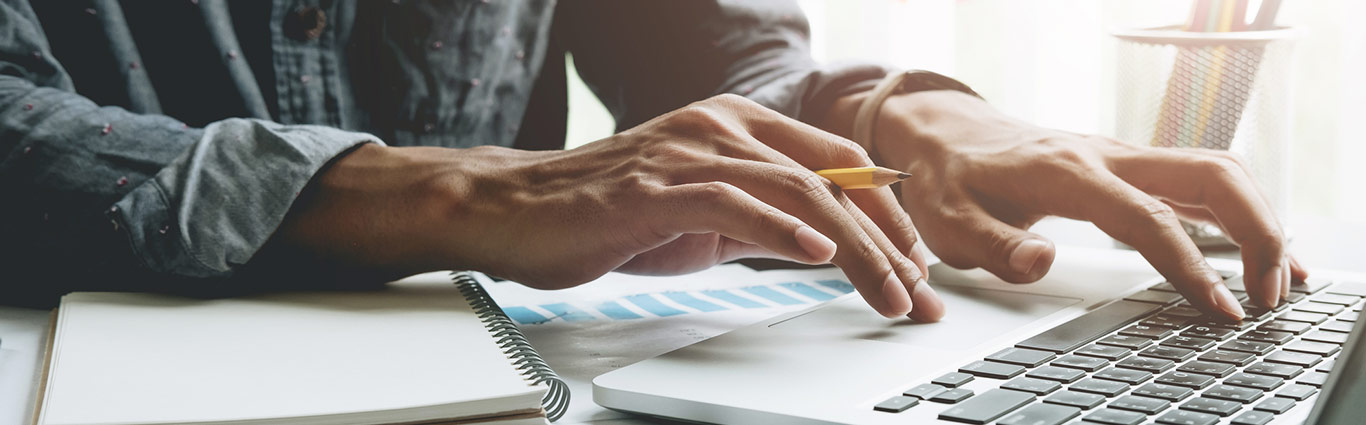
point(1152, 358)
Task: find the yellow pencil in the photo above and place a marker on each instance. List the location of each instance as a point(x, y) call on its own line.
point(863, 177)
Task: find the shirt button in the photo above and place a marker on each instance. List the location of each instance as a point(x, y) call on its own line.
point(305, 24)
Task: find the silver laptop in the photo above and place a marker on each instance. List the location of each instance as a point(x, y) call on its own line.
point(1101, 339)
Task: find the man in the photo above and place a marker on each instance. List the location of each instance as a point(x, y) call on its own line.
point(355, 142)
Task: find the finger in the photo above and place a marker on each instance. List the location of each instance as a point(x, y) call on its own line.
point(727, 210)
point(926, 305)
point(1298, 273)
point(1222, 187)
point(881, 274)
point(883, 209)
point(968, 236)
point(1151, 227)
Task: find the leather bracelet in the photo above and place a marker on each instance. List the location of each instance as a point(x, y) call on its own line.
point(899, 83)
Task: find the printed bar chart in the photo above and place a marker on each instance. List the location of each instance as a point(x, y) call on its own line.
point(674, 303)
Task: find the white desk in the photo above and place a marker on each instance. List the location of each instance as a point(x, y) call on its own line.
point(1318, 243)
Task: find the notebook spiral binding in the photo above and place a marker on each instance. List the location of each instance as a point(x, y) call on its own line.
point(515, 346)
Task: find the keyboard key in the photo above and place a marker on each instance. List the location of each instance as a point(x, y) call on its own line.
point(1089, 326)
point(1131, 377)
point(1293, 298)
point(952, 379)
point(1144, 405)
point(1283, 327)
point(1075, 399)
point(1231, 357)
point(986, 407)
point(1089, 364)
point(1349, 288)
point(1209, 405)
point(1213, 333)
point(1267, 335)
point(1185, 379)
point(1318, 307)
point(952, 396)
point(1254, 347)
point(1175, 354)
point(1276, 405)
point(992, 370)
point(1261, 382)
point(1283, 371)
point(1311, 347)
point(1290, 357)
point(1187, 417)
point(1197, 344)
point(1297, 392)
point(1100, 386)
point(1130, 342)
point(1315, 284)
point(1167, 321)
point(1326, 366)
point(1303, 316)
point(1146, 364)
point(1146, 331)
point(1252, 417)
point(1164, 287)
point(1041, 414)
point(1022, 356)
point(1155, 297)
point(1232, 393)
point(1183, 311)
point(924, 391)
point(1350, 316)
point(1031, 385)
point(896, 404)
point(1207, 368)
point(1114, 417)
point(1104, 352)
point(1316, 379)
point(1339, 299)
point(1253, 314)
point(1163, 391)
point(1054, 373)
point(1337, 326)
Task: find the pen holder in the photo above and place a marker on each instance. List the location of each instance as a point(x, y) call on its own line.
point(1215, 90)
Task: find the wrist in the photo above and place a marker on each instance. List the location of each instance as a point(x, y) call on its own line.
point(927, 125)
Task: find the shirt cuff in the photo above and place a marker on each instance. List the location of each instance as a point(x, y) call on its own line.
point(211, 209)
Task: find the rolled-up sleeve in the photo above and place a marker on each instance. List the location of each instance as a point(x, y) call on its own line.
point(643, 59)
point(102, 198)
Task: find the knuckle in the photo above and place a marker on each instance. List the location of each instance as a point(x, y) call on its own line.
point(731, 99)
point(1155, 213)
point(713, 193)
point(1221, 168)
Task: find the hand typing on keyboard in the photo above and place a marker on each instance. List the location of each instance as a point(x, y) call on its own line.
point(982, 178)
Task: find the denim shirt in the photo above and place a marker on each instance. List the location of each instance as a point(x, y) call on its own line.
point(157, 145)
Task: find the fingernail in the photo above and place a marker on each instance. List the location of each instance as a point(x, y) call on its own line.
point(1227, 301)
point(894, 293)
point(1285, 278)
point(817, 246)
point(1027, 253)
point(925, 297)
point(1271, 283)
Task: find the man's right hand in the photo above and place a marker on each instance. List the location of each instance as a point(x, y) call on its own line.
point(717, 180)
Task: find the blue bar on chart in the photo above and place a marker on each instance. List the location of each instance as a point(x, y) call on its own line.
point(772, 295)
point(653, 306)
point(616, 311)
point(730, 297)
point(691, 301)
point(838, 285)
point(524, 315)
point(567, 312)
point(807, 291)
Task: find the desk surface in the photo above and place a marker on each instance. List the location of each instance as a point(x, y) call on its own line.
point(1326, 244)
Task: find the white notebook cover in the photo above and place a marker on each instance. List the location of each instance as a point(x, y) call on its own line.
point(413, 353)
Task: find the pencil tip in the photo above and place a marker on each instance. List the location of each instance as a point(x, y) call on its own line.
point(903, 176)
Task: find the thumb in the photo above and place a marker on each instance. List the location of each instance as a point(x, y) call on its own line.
point(976, 239)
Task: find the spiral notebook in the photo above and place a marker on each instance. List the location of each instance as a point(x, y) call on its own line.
point(433, 348)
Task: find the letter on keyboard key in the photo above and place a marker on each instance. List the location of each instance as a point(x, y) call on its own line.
point(1283, 371)
point(1183, 379)
point(1041, 414)
point(1031, 385)
point(1130, 342)
point(952, 396)
point(1268, 335)
point(1146, 364)
point(1277, 405)
point(1131, 377)
point(1089, 364)
point(1176, 354)
point(992, 370)
point(1089, 326)
point(1054, 373)
point(1207, 368)
point(987, 407)
point(1103, 351)
point(1209, 405)
point(1144, 405)
point(1197, 344)
point(924, 391)
point(1100, 386)
point(1261, 382)
point(1232, 393)
point(1297, 392)
point(1115, 417)
point(1186, 417)
point(952, 379)
point(1231, 357)
point(1164, 391)
point(1254, 347)
point(1075, 399)
point(1252, 417)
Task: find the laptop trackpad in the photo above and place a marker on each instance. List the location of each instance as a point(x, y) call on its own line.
point(975, 316)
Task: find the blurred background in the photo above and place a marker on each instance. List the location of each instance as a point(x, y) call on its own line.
point(1052, 62)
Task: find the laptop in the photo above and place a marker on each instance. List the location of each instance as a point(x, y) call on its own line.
point(1101, 339)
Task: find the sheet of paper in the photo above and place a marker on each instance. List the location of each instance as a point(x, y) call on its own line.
point(618, 320)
